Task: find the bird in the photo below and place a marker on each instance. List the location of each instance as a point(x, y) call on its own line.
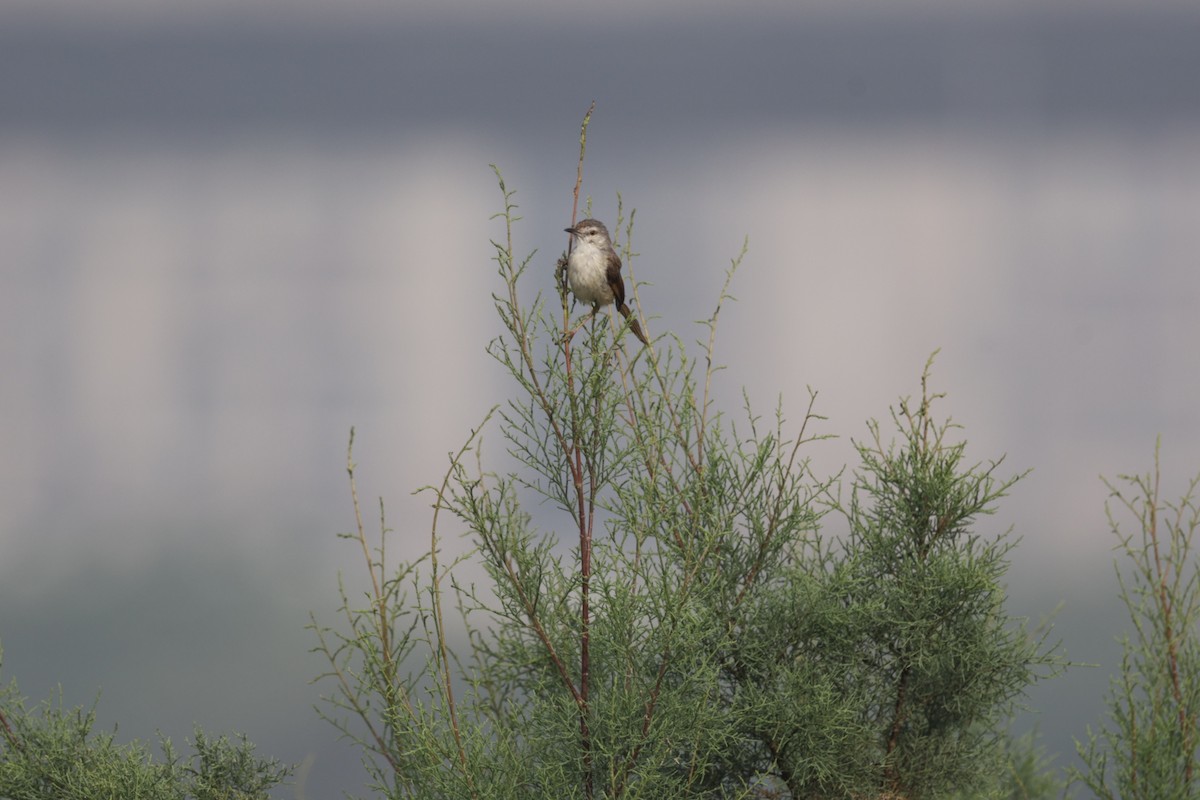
point(594, 271)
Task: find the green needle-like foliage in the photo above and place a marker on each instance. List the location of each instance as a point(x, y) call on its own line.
point(944, 661)
point(53, 753)
point(1150, 747)
point(659, 609)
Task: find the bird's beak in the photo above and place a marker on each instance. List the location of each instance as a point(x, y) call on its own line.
point(571, 231)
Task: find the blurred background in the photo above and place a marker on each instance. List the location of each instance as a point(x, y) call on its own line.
point(231, 231)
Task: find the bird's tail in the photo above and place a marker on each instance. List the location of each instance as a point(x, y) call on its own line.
point(633, 324)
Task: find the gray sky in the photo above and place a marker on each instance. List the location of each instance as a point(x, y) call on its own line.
point(231, 234)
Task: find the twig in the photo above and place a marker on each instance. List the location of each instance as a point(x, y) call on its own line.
point(436, 593)
point(13, 741)
point(574, 454)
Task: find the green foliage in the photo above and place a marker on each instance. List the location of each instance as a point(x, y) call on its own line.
point(657, 609)
point(1148, 748)
point(1026, 774)
point(54, 754)
point(943, 660)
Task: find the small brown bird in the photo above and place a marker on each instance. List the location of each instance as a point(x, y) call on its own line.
point(594, 271)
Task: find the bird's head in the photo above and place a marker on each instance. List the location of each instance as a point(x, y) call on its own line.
point(590, 231)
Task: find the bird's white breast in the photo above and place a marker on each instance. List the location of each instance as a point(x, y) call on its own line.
point(587, 272)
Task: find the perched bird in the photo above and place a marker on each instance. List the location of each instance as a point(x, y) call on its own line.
point(594, 271)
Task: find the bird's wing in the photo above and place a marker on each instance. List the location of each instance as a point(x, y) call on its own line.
point(613, 274)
